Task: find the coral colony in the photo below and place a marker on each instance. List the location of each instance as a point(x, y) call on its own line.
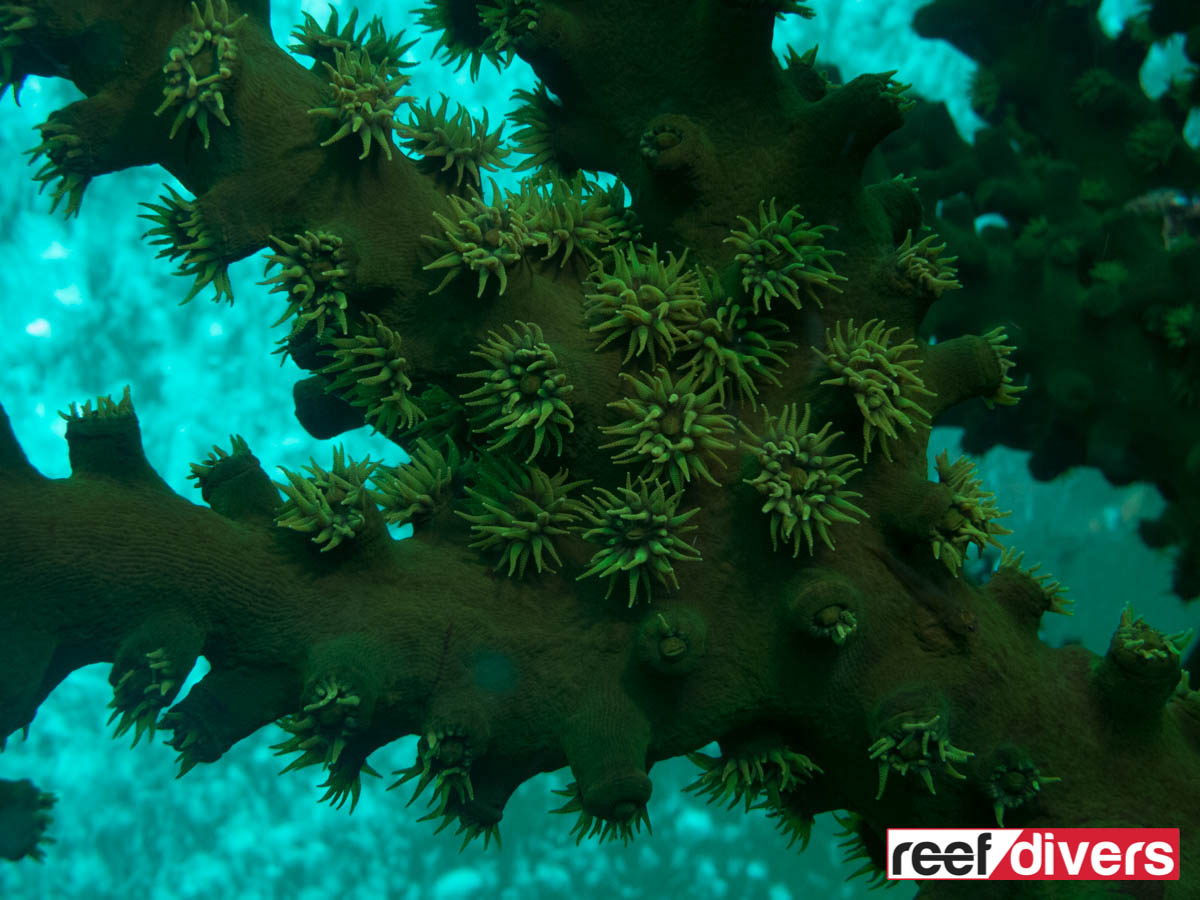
point(669, 435)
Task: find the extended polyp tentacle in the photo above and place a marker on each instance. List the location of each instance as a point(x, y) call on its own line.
point(234, 484)
point(151, 664)
point(101, 134)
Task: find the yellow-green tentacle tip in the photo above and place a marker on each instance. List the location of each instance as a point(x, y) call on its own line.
point(105, 408)
point(198, 72)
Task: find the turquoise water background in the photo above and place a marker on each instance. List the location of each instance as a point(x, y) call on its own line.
point(86, 308)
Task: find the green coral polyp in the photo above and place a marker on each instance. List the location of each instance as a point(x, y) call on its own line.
point(105, 408)
point(368, 372)
point(923, 265)
point(444, 760)
point(1007, 394)
point(321, 43)
point(64, 151)
point(588, 825)
point(1014, 782)
point(802, 483)
point(312, 276)
point(322, 728)
point(461, 38)
point(734, 347)
point(204, 470)
point(458, 142)
point(329, 505)
point(670, 426)
point(971, 518)
point(1137, 643)
point(414, 492)
point(13, 20)
point(509, 21)
point(567, 215)
point(519, 511)
point(1181, 326)
point(783, 257)
point(142, 692)
point(522, 400)
point(1053, 592)
point(535, 137)
point(640, 533)
point(180, 230)
point(364, 101)
point(749, 775)
point(834, 623)
point(198, 73)
point(886, 385)
point(479, 238)
point(857, 842)
point(906, 749)
point(645, 301)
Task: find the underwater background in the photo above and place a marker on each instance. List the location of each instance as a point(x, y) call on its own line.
point(86, 308)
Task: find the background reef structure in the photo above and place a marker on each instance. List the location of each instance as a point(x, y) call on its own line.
point(685, 498)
